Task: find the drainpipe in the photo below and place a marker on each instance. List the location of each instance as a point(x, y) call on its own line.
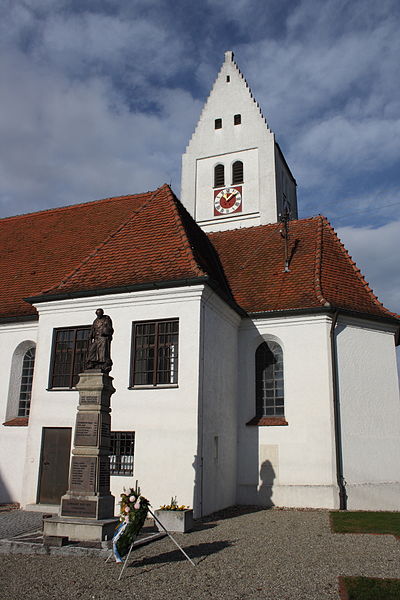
point(336, 407)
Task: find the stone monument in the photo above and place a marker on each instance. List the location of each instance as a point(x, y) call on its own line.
point(87, 508)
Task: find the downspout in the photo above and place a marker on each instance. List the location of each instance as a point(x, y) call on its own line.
point(336, 409)
point(200, 457)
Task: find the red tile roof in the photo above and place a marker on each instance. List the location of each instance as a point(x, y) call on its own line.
point(37, 250)
point(159, 243)
point(150, 238)
point(322, 274)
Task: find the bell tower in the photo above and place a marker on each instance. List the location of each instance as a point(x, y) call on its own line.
point(233, 171)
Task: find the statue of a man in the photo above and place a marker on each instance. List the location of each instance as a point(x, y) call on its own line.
point(98, 356)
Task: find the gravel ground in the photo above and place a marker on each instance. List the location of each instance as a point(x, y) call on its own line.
point(19, 521)
point(264, 554)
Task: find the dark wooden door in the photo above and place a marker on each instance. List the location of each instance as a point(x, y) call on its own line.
point(54, 466)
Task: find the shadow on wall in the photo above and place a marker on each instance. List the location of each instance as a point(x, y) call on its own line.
point(267, 476)
point(5, 496)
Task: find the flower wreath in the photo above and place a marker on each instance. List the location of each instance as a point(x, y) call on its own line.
point(133, 513)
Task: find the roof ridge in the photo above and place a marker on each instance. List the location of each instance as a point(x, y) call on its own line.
point(182, 231)
point(357, 271)
point(318, 264)
point(275, 224)
point(73, 206)
point(104, 242)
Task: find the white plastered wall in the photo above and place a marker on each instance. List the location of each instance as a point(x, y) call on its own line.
point(12, 439)
point(164, 420)
point(294, 464)
point(370, 414)
point(251, 141)
point(218, 404)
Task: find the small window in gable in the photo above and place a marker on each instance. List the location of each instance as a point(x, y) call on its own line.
point(237, 119)
point(237, 172)
point(218, 124)
point(219, 176)
point(228, 78)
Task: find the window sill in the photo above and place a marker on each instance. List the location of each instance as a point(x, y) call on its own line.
point(154, 387)
point(61, 389)
point(267, 421)
point(17, 422)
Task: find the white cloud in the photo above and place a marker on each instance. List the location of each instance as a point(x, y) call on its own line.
point(376, 252)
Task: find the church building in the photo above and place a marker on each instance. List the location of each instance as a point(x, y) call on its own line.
point(252, 362)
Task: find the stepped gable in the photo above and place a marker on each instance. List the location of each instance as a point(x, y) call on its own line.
point(160, 243)
point(321, 274)
point(228, 61)
point(38, 249)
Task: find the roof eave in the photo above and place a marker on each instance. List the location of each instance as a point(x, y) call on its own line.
point(118, 290)
point(18, 318)
point(324, 310)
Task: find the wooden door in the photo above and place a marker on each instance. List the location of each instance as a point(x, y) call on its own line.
point(54, 464)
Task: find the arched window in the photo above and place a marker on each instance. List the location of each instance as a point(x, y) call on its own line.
point(237, 172)
point(20, 386)
point(219, 176)
point(269, 380)
point(26, 383)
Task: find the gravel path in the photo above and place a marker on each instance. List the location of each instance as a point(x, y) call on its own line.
point(266, 554)
point(19, 521)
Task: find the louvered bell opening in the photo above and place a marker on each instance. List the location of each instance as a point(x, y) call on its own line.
point(219, 176)
point(237, 172)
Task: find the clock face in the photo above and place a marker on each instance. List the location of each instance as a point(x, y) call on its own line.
point(228, 201)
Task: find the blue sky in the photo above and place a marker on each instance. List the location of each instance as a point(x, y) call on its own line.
point(99, 98)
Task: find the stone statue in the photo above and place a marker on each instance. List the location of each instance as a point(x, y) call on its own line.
point(98, 356)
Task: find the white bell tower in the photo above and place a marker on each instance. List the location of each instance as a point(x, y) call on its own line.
point(233, 172)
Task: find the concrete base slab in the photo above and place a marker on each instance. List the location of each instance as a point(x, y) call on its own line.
point(85, 530)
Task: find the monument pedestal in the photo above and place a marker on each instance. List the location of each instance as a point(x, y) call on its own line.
point(80, 529)
point(87, 509)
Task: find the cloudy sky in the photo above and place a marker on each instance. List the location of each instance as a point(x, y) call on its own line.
point(100, 97)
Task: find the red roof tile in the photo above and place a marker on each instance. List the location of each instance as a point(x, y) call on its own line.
point(159, 243)
point(37, 250)
point(321, 273)
point(150, 239)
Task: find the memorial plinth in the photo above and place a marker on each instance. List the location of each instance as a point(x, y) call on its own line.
point(87, 509)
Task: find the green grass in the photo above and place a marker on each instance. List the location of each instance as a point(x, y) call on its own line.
point(368, 588)
point(366, 522)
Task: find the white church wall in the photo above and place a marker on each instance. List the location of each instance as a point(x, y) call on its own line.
point(12, 439)
point(285, 185)
point(294, 464)
point(370, 414)
point(164, 419)
point(217, 403)
point(209, 146)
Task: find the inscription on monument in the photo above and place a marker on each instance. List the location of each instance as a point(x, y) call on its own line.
point(89, 400)
point(83, 474)
point(78, 508)
point(86, 431)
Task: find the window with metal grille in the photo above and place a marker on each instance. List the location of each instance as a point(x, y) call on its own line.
point(237, 119)
point(269, 380)
point(218, 124)
point(219, 176)
point(122, 447)
point(237, 172)
point(25, 390)
point(69, 355)
point(155, 353)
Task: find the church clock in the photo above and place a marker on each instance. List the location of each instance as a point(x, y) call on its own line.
point(227, 201)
